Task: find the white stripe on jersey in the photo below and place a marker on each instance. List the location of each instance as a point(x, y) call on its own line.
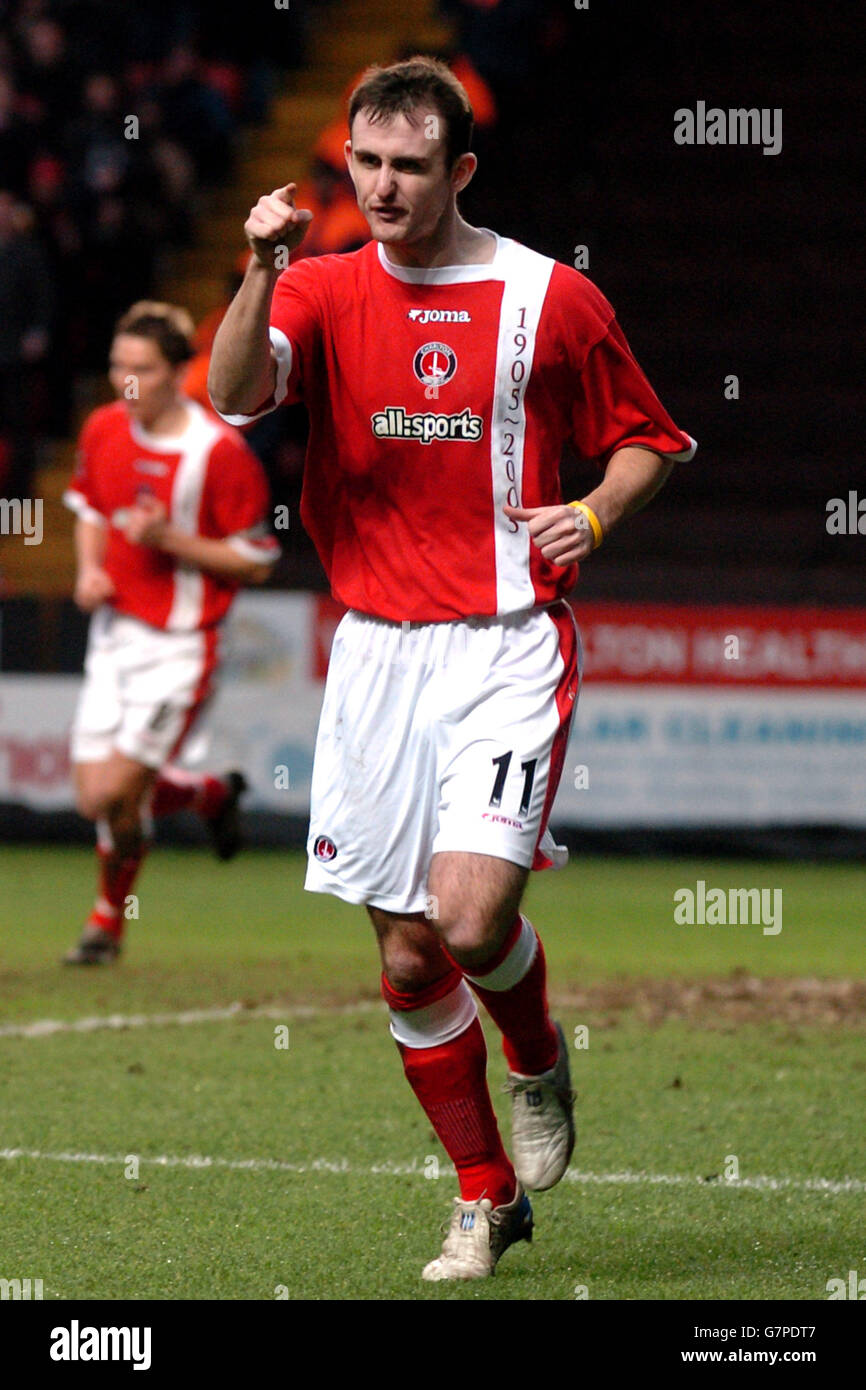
point(186, 494)
point(527, 276)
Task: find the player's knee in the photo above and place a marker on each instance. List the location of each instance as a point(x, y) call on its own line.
point(469, 936)
point(409, 971)
point(92, 803)
point(112, 804)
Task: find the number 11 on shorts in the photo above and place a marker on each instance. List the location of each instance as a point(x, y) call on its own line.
point(502, 764)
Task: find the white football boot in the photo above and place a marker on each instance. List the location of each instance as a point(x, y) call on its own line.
point(542, 1123)
point(478, 1234)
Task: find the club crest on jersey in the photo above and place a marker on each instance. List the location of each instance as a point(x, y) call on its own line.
point(438, 316)
point(324, 849)
point(153, 466)
point(434, 364)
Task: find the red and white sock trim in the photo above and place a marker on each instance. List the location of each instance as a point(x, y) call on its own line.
point(446, 1010)
point(505, 971)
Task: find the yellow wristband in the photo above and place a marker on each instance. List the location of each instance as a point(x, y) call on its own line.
point(597, 533)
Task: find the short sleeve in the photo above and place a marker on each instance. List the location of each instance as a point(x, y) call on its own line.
point(294, 331)
point(615, 406)
point(82, 495)
point(237, 501)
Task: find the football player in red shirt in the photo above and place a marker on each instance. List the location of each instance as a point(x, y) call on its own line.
point(171, 510)
point(444, 368)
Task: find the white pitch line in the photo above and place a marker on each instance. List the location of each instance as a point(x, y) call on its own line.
point(416, 1169)
point(47, 1027)
point(757, 1184)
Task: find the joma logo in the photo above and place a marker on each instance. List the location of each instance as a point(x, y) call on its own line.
point(438, 316)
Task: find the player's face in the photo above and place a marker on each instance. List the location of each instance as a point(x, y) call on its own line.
point(141, 377)
point(403, 185)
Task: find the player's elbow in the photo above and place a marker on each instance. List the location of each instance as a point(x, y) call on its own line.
point(221, 402)
point(235, 388)
point(659, 475)
point(223, 398)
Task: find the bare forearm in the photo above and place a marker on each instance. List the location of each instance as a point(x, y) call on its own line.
point(632, 477)
point(242, 368)
point(89, 544)
point(218, 557)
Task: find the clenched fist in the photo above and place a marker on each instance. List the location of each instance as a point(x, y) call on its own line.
point(92, 587)
point(275, 222)
point(563, 535)
point(146, 522)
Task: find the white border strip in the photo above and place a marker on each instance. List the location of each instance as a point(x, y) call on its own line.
point(391, 1169)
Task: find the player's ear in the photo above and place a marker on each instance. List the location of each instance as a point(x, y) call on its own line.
point(347, 150)
point(462, 171)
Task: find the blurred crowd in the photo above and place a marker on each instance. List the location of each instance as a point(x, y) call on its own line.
point(112, 117)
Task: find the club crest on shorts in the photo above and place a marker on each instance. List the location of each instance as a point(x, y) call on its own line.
point(324, 849)
point(434, 364)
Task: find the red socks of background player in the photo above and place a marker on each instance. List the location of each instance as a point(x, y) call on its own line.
point(512, 986)
point(176, 790)
point(117, 873)
point(445, 1061)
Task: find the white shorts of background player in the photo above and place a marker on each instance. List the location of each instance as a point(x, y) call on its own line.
point(143, 688)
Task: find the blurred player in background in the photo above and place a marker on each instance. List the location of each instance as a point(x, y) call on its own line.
point(444, 368)
point(172, 511)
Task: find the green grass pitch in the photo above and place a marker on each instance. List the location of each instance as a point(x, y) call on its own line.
point(204, 1161)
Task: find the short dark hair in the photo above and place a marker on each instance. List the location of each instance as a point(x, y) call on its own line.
point(170, 327)
point(419, 81)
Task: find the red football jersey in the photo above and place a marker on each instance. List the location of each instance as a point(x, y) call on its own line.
point(212, 485)
point(436, 396)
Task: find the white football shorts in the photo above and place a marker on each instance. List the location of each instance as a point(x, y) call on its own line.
point(143, 688)
point(438, 736)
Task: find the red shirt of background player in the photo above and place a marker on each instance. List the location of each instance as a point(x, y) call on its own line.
point(211, 484)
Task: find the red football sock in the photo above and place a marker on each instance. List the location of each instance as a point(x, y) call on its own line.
point(116, 877)
point(512, 986)
point(177, 790)
point(449, 1079)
